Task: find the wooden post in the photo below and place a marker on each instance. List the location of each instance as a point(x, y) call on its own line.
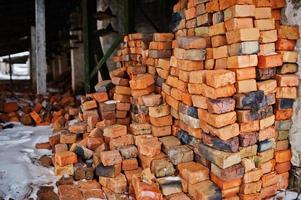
point(40, 47)
point(33, 63)
point(86, 44)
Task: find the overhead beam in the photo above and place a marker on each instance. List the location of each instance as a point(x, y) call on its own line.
point(40, 46)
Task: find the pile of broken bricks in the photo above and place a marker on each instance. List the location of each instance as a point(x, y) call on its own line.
point(201, 113)
point(37, 110)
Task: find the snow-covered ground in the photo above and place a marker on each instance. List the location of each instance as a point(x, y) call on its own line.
point(20, 173)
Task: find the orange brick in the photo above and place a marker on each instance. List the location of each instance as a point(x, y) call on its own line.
point(223, 185)
point(265, 24)
point(289, 32)
point(142, 81)
point(285, 44)
point(268, 86)
point(251, 188)
point(190, 13)
point(220, 52)
point(269, 61)
point(262, 3)
point(217, 29)
point(238, 23)
point(217, 120)
point(100, 96)
point(283, 167)
point(242, 61)
point(252, 176)
point(115, 131)
point(287, 80)
point(263, 13)
point(241, 35)
point(163, 37)
point(150, 149)
point(36, 117)
point(246, 86)
point(218, 40)
point(65, 158)
point(269, 179)
point(193, 172)
point(158, 131)
point(283, 114)
point(283, 181)
point(239, 11)
point(268, 36)
point(219, 78)
point(161, 121)
point(129, 164)
point(268, 191)
point(212, 6)
point(283, 156)
point(245, 73)
point(223, 4)
point(160, 46)
point(214, 93)
point(110, 157)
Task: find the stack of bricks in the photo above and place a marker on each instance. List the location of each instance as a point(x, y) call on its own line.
point(200, 114)
point(286, 93)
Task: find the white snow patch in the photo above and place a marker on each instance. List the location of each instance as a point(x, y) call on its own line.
point(20, 173)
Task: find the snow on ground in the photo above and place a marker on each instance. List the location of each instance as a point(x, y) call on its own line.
point(20, 173)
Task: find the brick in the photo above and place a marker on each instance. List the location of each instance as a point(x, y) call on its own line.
point(243, 48)
point(268, 166)
point(265, 73)
point(226, 132)
point(246, 86)
point(238, 23)
point(115, 131)
point(286, 93)
point(162, 167)
point(242, 61)
point(251, 188)
point(129, 164)
point(224, 185)
point(282, 104)
point(220, 52)
point(180, 154)
point(221, 105)
point(288, 32)
point(266, 122)
point(268, 86)
point(218, 40)
point(35, 116)
point(161, 121)
point(142, 92)
point(217, 120)
point(121, 141)
point(108, 171)
point(226, 3)
point(142, 81)
point(248, 164)
point(170, 185)
point(219, 78)
point(232, 173)
point(287, 68)
point(283, 167)
point(284, 114)
point(163, 37)
point(172, 102)
point(285, 44)
point(288, 80)
point(265, 24)
point(248, 139)
point(267, 133)
point(269, 61)
point(282, 145)
point(150, 149)
point(268, 191)
point(255, 196)
point(218, 17)
point(122, 98)
point(204, 190)
point(289, 56)
point(117, 184)
point(193, 172)
point(239, 11)
point(219, 158)
point(231, 145)
point(110, 157)
point(283, 156)
point(263, 13)
point(283, 181)
point(212, 6)
point(146, 191)
point(65, 158)
point(268, 36)
point(249, 151)
point(159, 111)
point(178, 196)
point(190, 54)
point(215, 93)
point(267, 48)
point(190, 65)
point(245, 73)
point(191, 42)
point(252, 176)
point(199, 101)
point(242, 35)
point(161, 131)
point(269, 179)
point(69, 192)
point(217, 29)
point(160, 45)
point(265, 156)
